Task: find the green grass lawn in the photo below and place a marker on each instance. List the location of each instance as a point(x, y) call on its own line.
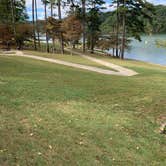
point(56, 115)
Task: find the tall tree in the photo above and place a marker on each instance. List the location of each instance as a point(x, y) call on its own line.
point(34, 26)
point(72, 29)
point(60, 18)
point(84, 24)
point(130, 25)
point(117, 29)
point(123, 29)
point(54, 27)
point(37, 25)
point(12, 12)
point(13, 16)
point(93, 22)
point(52, 4)
point(46, 2)
point(25, 33)
point(10, 8)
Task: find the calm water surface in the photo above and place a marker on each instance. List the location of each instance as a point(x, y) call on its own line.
point(147, 51)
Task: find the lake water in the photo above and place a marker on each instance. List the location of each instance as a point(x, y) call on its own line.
point(147, 51)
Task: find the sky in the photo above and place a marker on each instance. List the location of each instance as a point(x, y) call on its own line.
point(41, 7)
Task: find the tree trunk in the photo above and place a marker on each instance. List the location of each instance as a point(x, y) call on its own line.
point(51, 9)
point(37, 26)
point(74, 46)
point(113, 52)
point(113, 48)
point(92, 44)
point(120, 50)
point(117, 30)
point(13, 17)
point(123, 33)
point(53, 41)
point(83, 24)
point(45, 11)
point(61, 35)
point(33, 21)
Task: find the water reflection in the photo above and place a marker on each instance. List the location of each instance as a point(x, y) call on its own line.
point(147, 50)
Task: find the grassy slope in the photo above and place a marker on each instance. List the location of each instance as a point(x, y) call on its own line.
point(56, 115)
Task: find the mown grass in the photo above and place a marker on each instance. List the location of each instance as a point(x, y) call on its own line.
point(56, 115)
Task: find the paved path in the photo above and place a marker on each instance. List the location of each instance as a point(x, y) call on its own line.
point(121, 71)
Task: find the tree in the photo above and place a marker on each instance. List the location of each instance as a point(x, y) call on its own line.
point(123, 28)
point(12, 12)
point(54, 28)
point(134, 26)
point(84, 23)
point(13, 16)
point(78, 7)
point(60, 18)
point(37, 25)
point(52, 5)
point(26, 33)
point(117, 29)
point(93, 22)
point(46, 2)
point(6, 35)
point(159, 20)
point(33, 21)
point(74, 7)
point(72, 29)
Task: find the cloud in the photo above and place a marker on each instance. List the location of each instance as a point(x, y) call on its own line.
point(29, 3)
point(40, 7)
point(157, 2)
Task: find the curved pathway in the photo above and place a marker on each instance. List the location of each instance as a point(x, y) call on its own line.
point(121, 71)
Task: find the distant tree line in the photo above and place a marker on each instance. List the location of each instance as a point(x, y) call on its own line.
point(85, 24)
point(157, 25)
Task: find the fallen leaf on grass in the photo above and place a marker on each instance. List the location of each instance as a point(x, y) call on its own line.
point(39, 153)
point(3, 150)
point(31, 134)
point(50, 147)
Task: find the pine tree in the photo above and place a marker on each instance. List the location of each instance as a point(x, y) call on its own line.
point(60, 18)
point(133, 26)
point(34, 25)
point(93, 22)
point(37, 26)
point(46, 2)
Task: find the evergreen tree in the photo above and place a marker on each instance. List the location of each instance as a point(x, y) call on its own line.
point(34, 24)
point(12, 9)
point(60, 18)
point(12, 13)
point(93, 22)
point(134, 26)
point(37, 25)
point(46, 2)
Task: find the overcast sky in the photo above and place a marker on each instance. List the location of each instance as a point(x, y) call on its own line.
point(41, 11)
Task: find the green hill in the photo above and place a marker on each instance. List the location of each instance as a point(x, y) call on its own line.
point(56, 115)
